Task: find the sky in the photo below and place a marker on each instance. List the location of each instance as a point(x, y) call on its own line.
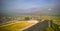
point(29, 6)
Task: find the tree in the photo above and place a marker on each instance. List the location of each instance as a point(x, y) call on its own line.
point(27, 18)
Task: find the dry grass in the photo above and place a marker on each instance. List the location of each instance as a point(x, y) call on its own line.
point(15, 27)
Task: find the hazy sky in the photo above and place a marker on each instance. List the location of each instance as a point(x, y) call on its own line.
point(28, 6)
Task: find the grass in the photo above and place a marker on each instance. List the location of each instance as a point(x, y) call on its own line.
point(55, 18)
point(15, 27)
point(55, 27)
point(49, 29)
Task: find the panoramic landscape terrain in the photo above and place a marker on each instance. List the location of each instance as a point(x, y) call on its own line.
point(30, 15)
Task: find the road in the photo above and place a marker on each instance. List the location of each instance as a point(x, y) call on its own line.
point(38, 27)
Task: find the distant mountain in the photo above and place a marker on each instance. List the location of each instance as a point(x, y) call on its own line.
point(32, 11)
